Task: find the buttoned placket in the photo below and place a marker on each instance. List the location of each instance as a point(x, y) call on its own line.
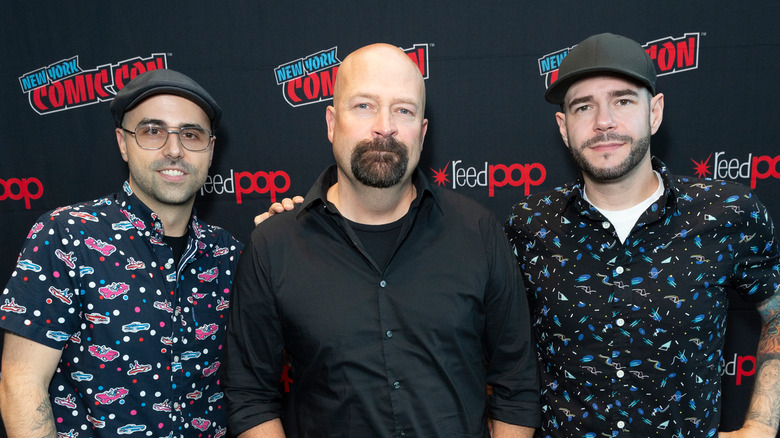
point(178, 323)
point(617, 259)
point(387, 324)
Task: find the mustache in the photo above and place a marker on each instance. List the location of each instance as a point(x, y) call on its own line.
point(382, 144)
point(606, 137)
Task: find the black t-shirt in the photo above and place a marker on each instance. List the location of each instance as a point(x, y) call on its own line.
point(378, 240)
point(178, 245)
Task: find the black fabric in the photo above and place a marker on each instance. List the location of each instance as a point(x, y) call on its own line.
point(178, 245)
point(486, 65)
point(378, 240)
point(399, 351)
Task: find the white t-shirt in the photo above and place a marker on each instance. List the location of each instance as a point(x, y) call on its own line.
point(624, 220)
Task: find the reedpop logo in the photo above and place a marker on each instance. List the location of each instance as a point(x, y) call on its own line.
point(243, 183)
point(753, 168)
point(19, 188)
point(492, 176)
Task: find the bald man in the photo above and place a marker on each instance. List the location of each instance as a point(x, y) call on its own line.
point(396, 301)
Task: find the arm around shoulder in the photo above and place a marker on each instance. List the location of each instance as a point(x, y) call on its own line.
point(27, 369)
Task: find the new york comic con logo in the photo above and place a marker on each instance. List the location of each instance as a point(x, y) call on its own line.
point(311, 79)
point(670, 55)
point(65, 85)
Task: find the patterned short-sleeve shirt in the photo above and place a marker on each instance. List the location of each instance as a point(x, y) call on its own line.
point(141, 338)
point(630, 334)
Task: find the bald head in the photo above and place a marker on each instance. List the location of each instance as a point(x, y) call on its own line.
point(377, 121)
point(375, 64)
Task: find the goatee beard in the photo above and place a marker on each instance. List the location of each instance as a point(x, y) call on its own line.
point(380, 162)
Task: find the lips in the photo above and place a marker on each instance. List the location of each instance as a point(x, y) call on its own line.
point(172, 172)
point(605, 147)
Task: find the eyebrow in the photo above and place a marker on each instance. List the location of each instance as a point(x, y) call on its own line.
point(146, 121)
point(407, 101)
point(612, 94)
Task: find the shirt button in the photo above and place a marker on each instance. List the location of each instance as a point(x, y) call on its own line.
point(619, 269)
point(620, 322)
point(389, 333)
point(383, 283)
point(621, 424)
point(605, 224)
point(396, 385)
point(620, 374)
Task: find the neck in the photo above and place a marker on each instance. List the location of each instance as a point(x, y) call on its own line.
point(624, 193)
point(370, 205)
point(175, 218)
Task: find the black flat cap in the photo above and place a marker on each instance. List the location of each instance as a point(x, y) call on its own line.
point(163, 81)
point(603, 53)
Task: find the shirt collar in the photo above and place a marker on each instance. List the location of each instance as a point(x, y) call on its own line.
point(317, 195)
point(146, 220)
point(667, 201)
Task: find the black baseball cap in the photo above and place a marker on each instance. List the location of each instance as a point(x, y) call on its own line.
point(163, 81)
point(603, 53)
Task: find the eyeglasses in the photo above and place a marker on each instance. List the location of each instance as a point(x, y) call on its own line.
point(153, 137)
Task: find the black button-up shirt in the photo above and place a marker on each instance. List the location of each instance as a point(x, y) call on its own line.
point(404, 350)
point(630, 334)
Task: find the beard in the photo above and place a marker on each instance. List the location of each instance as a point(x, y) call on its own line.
point(166, 193)
point(637, 152)
point(380, 162)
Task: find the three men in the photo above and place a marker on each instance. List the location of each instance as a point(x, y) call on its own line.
point(627, 268)
point(395, 301)
point(116, 311)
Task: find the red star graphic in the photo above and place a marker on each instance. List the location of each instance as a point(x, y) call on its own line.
point(440, 176)
point(702, 168)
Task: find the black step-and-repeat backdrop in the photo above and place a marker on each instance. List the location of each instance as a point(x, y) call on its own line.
point(271, 67)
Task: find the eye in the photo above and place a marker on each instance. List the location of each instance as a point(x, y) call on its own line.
point(192, 134)
point(150, 131)
point(581, 108)
point(623, 102)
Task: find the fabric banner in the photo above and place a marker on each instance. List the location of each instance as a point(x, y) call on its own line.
point(271, 66)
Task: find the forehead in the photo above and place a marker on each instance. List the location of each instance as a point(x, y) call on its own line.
point(596, 85)
point(171, 109)
point(372, 75)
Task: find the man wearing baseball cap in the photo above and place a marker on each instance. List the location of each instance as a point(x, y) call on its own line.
point(114, 317)
point(628, 268)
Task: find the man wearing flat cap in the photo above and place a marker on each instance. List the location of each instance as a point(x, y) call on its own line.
point(115, 315)
point(628, 267)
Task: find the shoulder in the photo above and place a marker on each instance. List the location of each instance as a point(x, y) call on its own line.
point(715, 193)
point(550, 201)
point(82, 215)
point(709, 187)
point(460, 209)
point(281, 225)
point(450, 200)
point(224, 237)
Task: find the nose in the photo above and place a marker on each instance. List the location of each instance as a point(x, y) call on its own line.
point(384, 125)
point(173, 147)
point(605, 119)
